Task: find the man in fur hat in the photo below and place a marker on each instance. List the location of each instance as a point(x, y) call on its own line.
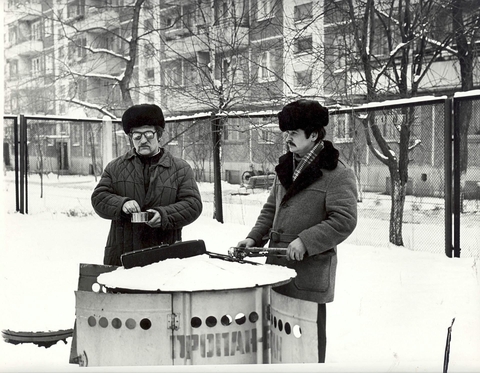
point(312, 207)
point(146, 178)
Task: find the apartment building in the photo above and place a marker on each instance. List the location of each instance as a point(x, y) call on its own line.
point(71, 57)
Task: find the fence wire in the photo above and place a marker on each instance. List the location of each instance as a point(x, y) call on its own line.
point(68, 149)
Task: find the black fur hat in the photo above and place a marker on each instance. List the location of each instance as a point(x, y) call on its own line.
point(302, 114)
point(142, 115)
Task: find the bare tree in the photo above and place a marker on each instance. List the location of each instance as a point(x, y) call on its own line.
point(395, 46)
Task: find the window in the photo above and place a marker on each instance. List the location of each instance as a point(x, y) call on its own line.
point(265, 66)
point(149, 24)
point(48, 27)
point(231, 69)
point(303, 78)
point(171, 133)
point(49, 63)
point(269, 134)
point(264, 9)
point(12, 35)
point(81, 45)
point(150, 73)
point(36, 31)
point(75, 9)
point(342, 128)
point(13, 67)
point(302, 12)
point(82, 89)
point(389, 123)
point(231, 131)
point(76, 134)
point(303, 44)
point(13, 104)
point(173, 74)
point(36, 65)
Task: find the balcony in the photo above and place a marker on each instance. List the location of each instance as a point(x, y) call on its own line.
point(24, 12)
point(97, 64)
point(186, 46)
point(101, 19)
point(228, 34)
point(27, 48)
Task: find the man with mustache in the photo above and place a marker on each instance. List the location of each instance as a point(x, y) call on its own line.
point(146, 178)
point(311, 208)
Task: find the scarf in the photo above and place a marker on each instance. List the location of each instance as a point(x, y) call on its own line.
point(306, 159)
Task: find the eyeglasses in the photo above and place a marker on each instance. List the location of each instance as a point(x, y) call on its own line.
point(138, 135)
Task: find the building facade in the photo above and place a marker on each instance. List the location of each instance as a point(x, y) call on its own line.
point(72, 58)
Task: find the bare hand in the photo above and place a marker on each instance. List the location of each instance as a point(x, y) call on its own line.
point(130, 207)
point(296, 250)
point(248, 242)
point(156, 220)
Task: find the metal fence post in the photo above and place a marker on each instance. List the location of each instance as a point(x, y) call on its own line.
point(456, 178)
point(448, 175)
point(23, 166)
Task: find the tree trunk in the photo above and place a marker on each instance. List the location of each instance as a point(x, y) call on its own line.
point(398, 192)
point(217, 181)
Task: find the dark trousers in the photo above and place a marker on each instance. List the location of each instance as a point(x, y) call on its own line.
point(322, 331)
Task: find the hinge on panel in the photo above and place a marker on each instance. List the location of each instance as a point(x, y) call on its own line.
point(268, 311)
point(173, 320)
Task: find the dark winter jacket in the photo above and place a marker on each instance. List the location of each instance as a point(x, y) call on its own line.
point(172, 191)
point(320, 207)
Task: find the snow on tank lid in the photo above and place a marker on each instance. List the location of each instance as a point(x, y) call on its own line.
point(197, 273)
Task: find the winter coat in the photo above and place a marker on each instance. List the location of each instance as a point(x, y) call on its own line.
point(172, 191)
point(320, 207)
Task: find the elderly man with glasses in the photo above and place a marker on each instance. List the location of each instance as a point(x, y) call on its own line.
point(145, 179)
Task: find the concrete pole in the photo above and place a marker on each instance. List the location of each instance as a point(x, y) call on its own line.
point(107, 140)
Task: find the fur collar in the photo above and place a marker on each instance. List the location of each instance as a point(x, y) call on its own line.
point(327, 159)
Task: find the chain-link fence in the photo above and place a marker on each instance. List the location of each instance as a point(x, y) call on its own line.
point(252, 143)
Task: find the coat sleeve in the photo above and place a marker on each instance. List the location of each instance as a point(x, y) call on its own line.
point(188, 205)
point(261, 229)
point(341, 215)
point(106, 203)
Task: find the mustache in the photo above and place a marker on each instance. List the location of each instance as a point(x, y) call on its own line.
point(290, 143)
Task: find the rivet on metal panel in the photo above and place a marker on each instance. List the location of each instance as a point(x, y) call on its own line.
point(173, 321)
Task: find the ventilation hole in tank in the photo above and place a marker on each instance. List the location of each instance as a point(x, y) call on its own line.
point(92, 321)
point(226, 320)
point(195, 322)
point(253, 317)
point(130, 323)
point(103, 322)
point(297, 331)
point(280, 325)
point(288, 328)
point(117, 323)
point(96, 287)
point(275, 321)
point(145, 324)
point(211, 321)
point(240, 319)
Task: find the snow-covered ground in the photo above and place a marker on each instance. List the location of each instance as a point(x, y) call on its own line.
point(392, 309)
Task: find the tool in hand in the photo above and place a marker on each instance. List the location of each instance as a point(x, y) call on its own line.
point(242, 252)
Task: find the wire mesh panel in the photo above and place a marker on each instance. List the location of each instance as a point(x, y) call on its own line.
point(467, 168)
point(423, 208)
